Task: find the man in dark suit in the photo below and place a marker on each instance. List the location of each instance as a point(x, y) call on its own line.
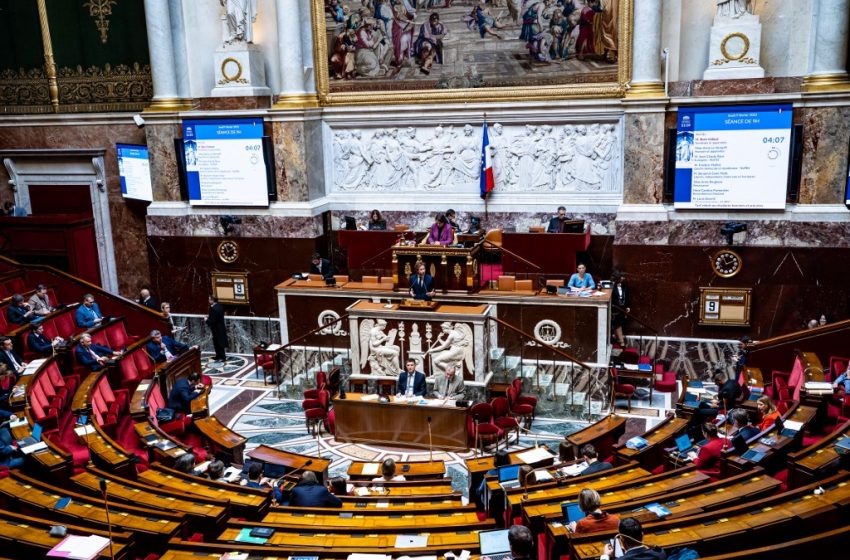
point(88, 315)
point(215, 322)
point(555, 223)
point(146, 299)
point(184, 391)
point(9, 456)
point(39, 343)
point(318, 265)
point(9, 357)
point(18, 312)
point(93, 356)
point(164, 348)
point(421, 284)
point(309, 493)
point(593, 464)
point(418, 382)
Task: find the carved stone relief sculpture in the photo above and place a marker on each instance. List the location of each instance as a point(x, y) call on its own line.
point(571, 158)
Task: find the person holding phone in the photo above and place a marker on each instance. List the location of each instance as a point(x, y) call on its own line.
point(630, 539)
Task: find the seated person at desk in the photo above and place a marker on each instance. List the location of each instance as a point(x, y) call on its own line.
point(185, 464)
point(10, 358)
point(338, 486)
point(256, 480)
point(743, 428)
point(727, 396)
point(441, 232)
point(88, 315)
point(707, 461)
point(521, 542)
point(388, 473)
point(594, 465)
point(318, 265)
point(501, 459)
point(421, 284)
point(630, 535)
point(451, 217)
point(449, 385)
point(9, 457)
point(555, 223)
point(39, 343)
point(18, 312)
point(376, 222)
point(581, 280)
point(415, 387)
point(93, 356)
point(164, 348)
point(767, 411)
point(595, 519)
point(215, 471)
point(39, 302)
point(841, 385)
point(309, 493)
point(184, 391)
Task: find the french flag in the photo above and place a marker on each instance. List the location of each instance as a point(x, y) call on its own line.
point(486, 177)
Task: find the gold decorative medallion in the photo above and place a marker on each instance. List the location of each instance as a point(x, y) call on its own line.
point(745, 46)
point(458, 271)
point(228, 251)
point(230, 64)
point(408, 270)
point(433, 271)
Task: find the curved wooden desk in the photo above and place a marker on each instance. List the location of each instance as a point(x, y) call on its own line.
point(400, 423)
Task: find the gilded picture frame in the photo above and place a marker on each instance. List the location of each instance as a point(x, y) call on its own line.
point(330, 95)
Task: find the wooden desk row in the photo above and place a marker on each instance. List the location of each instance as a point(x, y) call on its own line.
point(795, 513)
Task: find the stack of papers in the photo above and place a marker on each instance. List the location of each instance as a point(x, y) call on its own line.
point(245, 536)
point(818, 387)
point(637, 442)
point(82, 431)
point(33, 366)
point(19, 422)
point(543, 476)
point(792, 425)
point(37, 446)
point(574, 470)
point(369, 398)
point(79, 548)
point(370, 469)
point(534, 455)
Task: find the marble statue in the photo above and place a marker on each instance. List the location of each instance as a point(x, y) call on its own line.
point(415, 339)
point(453, 346)
point(733, 8)
point(527, 158)
point(377, 348)
point(239, 17)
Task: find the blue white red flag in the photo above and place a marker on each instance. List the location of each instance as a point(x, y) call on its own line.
point(486, 179)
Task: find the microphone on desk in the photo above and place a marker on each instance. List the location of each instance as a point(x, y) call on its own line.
point(430, 446)
point(528, 432)
point(301, 468)
point(108, 521)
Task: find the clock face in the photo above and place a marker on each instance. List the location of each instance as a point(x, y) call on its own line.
point(726, 263)
point(228, 251)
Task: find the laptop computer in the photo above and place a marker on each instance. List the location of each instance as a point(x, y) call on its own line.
point(755, 454)
point(508, 473)
point(571, 512)
point(494, 544)
point(691, 400)
point(842, 446)
point(34, 438)
point(684, 445)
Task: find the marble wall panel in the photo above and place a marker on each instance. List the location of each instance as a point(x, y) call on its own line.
point(163, 161)
point(292, 159)
point(571, 329)
point(790, 286)
point(253, 225)
point(127, 217)
point(643, 176)
point(765, 233)
point(181, 267)
point(826, 136)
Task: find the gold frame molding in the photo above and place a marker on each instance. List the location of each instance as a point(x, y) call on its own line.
point(535, 93)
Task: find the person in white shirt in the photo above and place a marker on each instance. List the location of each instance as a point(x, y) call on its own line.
point(388, 472)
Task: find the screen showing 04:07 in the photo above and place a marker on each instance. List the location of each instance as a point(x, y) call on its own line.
point(733, 157)
point(224, 162)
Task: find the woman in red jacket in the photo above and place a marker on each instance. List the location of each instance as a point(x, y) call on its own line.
point(708, 459)
point(768, 412)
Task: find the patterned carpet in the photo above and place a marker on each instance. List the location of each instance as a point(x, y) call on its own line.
point(251, 408)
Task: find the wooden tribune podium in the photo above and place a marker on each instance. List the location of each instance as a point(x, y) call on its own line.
point(454, 269)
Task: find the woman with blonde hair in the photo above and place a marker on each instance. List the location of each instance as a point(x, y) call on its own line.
point(595, 519)
point(768, 412)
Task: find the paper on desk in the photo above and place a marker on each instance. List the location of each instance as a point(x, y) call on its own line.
point(33, 366)
point(79, 548)
point(429, 557)
point(370, 469)
point(362, 491)
point(534, 455)
point(543, 476)
point(37, 446)
point(362, 556)
point(245, 536)
point(574, 470)
point(793, 425)
point(411, 541)
point(272, 347)
point(630, 367)
point(84, 430)
point(369, 398)
point(435, 402)
point(382, 504)
point(19, 422)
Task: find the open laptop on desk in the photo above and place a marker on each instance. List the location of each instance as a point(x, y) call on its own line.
point(494, 544)
point(755, 454)
point(571, 512)
point(34, 438)
point(509, 476)
point(684, 445)
point(691, 400)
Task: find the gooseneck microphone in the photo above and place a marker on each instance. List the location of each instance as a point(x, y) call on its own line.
point(430, 445)
point(108, 521)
